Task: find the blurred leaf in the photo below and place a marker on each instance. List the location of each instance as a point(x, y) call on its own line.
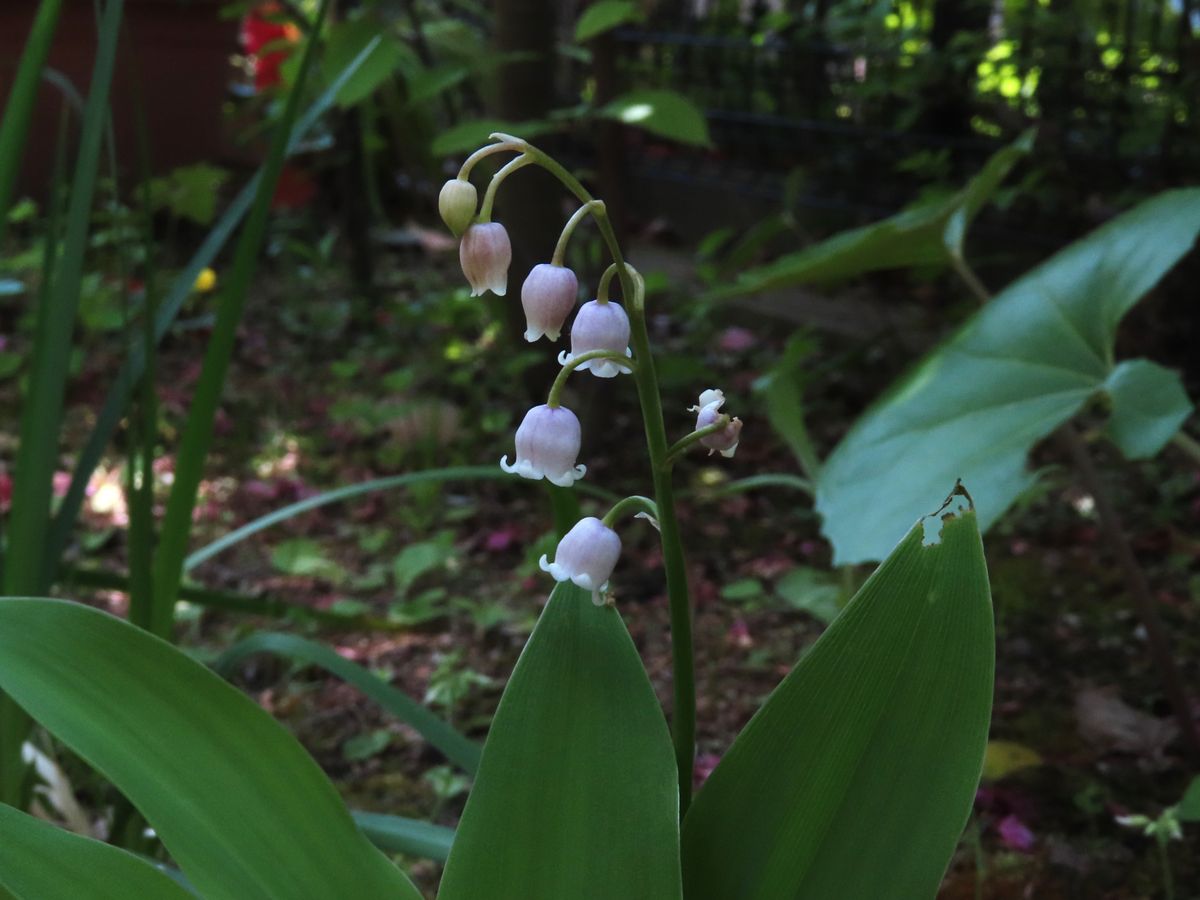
point(1188, 809)
point(603, 16)
point(305, 558)
point(189, 192)
point(1149, 405)
point(470, 135)
point(429, 83)
point(591, 815)
point(742, 590)
point(860, 769)
point(411, 837)
point(40, 860)
point(930, 233)
point(365, 745)
point(782, 387)
point(665, 113)
point(346, 41)
point(1013, 373)
point(1005, 757)
point(812, 591)
point(237, 802)
point(416, 560)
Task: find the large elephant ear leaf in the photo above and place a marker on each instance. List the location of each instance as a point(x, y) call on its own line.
point(576, 794)
point(1021, 367)
point(855, 779)
point(240, 805)
point(43, 862)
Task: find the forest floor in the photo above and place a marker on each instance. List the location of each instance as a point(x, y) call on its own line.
point(328, 391)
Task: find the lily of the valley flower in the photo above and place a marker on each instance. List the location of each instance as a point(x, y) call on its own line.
point(599, 325)
point(586, 556)
point(709, 413)
point(456, 202)
point(548, 296)
point(485, 253)
point(547, 446)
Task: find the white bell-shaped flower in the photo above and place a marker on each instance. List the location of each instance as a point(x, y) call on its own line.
point(485, 253)
point(456, 202)
point(599, 325)
point(547, 446)
point(586, 556)
point(708, 411)
point(548, 296)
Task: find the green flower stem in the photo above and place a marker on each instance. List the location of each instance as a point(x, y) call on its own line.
point(1188, 445)
point(623, 507)
point(560, 381)
point(485, 211)
point(464, 173)
point(560, 249)
point(605, 279)
point(681, 445)
point(684, 713)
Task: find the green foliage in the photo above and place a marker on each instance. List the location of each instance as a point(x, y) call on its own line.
point(575, 795)
point(603, 16)
point(665, 113)
point(239, 804)
point(189, 192)
point(40, 860)
point(860, 770)
point(931, 233)
point(396, 834)
point(382, 55)
point(1149, 405)
point(1013, 373)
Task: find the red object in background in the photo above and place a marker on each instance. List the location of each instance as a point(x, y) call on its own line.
point(261, 29)
point(294, 190)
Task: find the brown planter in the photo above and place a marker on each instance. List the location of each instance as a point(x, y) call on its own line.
point(174, 59)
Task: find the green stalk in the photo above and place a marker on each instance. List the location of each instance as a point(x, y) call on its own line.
point(19, 110)
point(119, 393)
point(42, 411)
point(198, 432)
point(683, 719)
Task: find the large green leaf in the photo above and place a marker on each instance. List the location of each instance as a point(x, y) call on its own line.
point(931, 233)
point(1149, 405)
point(237, 801)
point(576, 794)
point(605, 15)
point(39, 861)
point(1013, 373)
point(666, 113)
point(855, 779)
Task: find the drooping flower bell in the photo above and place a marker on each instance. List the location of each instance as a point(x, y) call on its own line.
point(485, 253)
point(547, 446)
point(586, 556)
point(599, 325)
point(708, 412)
point(548, 296)
point(456, 202)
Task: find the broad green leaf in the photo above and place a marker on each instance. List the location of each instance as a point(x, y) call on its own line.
point(236, 800)
point(856, 777)
point(665, 113)
point(1188, 809)
point(412, 837)
point(577, 792)
point(603, 16)
point(347, 40)
point(928, 234)
point(1012, 374)
point(1149, 405)
point(43, 862)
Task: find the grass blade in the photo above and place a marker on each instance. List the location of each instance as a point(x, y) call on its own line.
point(412, 837)
point(457, 748)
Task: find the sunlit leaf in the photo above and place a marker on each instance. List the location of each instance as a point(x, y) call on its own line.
point(236, 800)
point(577, 791)
point(1005, 757)
point(1012, 374)
point(856, 777)
point(665, 113)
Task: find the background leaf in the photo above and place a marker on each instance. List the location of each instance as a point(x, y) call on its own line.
point(346, 41)
point(239, 804)
point(855, 779)
point(665, 113)
point(577, 792)
point(41, 861)
point(1149, 405)
point(1013, 373)
point(411, 837)
point(604, 16)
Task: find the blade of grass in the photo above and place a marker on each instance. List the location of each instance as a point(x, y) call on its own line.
point(42, 411)
point(198, 432)
point(18, 112)
point(119, 393)
point(412, 837)
point(456, 748)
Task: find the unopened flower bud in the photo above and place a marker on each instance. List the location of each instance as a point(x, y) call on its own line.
point(456, 203)
point(548, 296)
point(547, 446)
point(485, 253)
point(708, 412)
point(599, 326)
point(586, 556)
